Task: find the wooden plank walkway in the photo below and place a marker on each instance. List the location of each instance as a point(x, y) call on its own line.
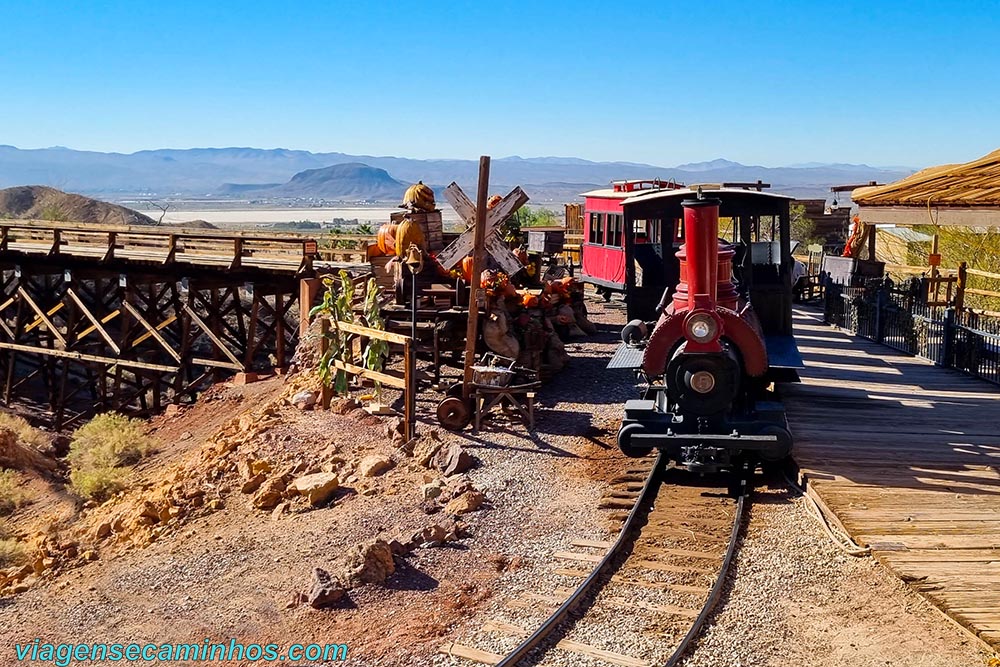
point(906, 455)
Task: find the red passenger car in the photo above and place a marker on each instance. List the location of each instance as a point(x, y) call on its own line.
point(603, 249)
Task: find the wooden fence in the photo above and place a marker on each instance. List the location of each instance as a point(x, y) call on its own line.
point(404, 380)
point(907, 317)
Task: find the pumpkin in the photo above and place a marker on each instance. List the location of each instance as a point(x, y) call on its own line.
point(467, 269)
point(530, 301)
point(386, 238)
point(419, 197)
point(408, 233)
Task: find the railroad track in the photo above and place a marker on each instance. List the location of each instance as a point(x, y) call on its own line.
point(664, 575)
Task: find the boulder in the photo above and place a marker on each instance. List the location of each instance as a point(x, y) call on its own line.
point(470, 501)
point(319, 487)
point(253, 483)
point(370, 563)
point(395, 428)
point(453, 459)
point(304, 400)
point(424, 451)
point(270, 493)
point(374, 465)
point(325, 589)
point(431, 490)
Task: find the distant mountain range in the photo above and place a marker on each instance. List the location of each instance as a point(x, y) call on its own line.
point(242, 172)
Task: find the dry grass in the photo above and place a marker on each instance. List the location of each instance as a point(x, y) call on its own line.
point(12, 552)
point(11, 497)
point(101, 453)
point(26, 434)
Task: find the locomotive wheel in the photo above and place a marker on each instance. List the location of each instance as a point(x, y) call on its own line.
point(453, 413)
point(625, 442)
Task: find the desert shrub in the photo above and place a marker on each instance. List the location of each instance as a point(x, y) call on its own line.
point(101, 452)
point(12, 552)
point(26, 434)
point(10, 496)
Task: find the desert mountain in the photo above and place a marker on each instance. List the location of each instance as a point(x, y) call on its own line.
point(199, 171)
point(37, 202)
point(352, 180)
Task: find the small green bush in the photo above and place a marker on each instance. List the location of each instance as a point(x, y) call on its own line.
point(10, 496)
point(101, 452)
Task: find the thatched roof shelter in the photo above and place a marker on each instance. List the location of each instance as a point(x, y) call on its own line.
point(953, 194)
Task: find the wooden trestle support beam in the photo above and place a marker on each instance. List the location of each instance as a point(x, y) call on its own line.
point(78, 342)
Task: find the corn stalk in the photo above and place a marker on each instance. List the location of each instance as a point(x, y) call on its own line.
point(336, 305)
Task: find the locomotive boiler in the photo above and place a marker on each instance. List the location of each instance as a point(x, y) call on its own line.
point(707, 371)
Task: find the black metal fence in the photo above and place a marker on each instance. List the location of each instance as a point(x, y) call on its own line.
point(897, 315)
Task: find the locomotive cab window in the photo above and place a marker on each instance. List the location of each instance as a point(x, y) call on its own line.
point(596, 235)
point(646, 231)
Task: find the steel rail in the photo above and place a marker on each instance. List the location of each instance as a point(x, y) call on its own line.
point(625, 538)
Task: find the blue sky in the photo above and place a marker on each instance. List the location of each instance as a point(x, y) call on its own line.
point(772, 83)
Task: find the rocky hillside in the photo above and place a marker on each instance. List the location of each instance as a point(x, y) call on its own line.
point(38, 202)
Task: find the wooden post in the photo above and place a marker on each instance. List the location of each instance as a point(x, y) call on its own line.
point(963, 276)
point(871, 243)
point(934, 251)
point(478, 255)
point(308, 289)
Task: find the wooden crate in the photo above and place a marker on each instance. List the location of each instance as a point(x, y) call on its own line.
point(430, 223)
point(546, 242)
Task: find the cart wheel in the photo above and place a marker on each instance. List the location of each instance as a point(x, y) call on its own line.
point(454, 391)
point(453, 413)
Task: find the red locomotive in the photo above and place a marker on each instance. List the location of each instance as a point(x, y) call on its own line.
point(722, 334)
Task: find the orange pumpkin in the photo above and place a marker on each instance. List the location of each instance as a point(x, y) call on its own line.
point(467, 269)
point(386, 238)
point(530, 301)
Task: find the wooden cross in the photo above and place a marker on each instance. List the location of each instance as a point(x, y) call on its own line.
point(464, 244)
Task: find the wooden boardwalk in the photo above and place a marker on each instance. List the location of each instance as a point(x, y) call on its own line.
point(905, 454)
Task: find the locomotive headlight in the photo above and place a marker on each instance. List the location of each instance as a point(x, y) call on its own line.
point(702, 382)
point(702, 328)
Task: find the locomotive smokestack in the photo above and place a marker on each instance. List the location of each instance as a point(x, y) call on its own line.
point(701, 248)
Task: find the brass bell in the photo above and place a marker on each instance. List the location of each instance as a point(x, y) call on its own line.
point(414, 258)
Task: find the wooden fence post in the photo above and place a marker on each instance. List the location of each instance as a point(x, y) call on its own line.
point(963, 276)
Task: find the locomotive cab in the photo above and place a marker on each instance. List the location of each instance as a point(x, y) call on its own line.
point(720, 336)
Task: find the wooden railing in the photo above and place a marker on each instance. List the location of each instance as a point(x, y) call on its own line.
point(285, 253)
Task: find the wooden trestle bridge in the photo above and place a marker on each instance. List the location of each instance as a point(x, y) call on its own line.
point(131, 318)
